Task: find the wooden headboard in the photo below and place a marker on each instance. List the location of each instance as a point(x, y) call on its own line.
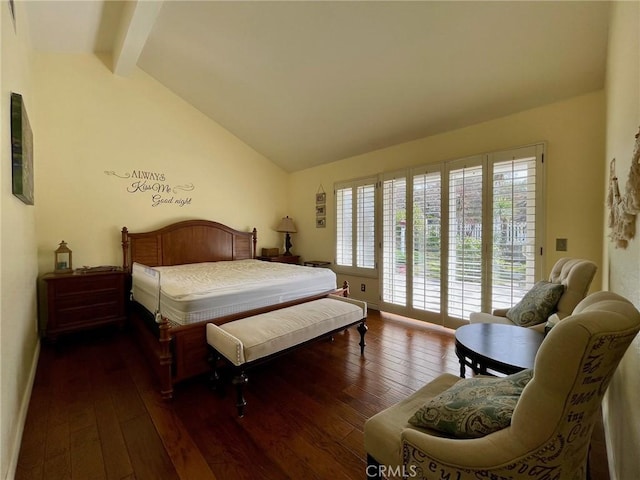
point(190, 241)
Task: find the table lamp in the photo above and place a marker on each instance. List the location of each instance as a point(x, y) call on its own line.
point(287, 226)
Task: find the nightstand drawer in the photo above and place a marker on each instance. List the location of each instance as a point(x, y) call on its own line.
point(82, 301)
point(94, 308)
point(82, 284)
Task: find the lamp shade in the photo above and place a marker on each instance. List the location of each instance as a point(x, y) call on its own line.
point(286, 225)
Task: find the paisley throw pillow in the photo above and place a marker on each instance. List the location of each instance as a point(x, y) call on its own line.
point(473, 407)
point(537, 304)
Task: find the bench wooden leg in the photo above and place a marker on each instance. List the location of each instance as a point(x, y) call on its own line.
point(214, 378)
point(239, 381)
point(362, 329)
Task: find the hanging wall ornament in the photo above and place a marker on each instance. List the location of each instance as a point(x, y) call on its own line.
point(621, 223)
point(624, 208)
point(632, 188)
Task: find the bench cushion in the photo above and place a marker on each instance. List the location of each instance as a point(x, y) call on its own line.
point(259, 336)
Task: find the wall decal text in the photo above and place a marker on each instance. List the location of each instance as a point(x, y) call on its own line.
point(156, 186)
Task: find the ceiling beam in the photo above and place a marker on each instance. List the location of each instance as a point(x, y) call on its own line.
point(138, 18)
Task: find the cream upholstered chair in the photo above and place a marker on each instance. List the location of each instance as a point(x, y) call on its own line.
point(551, 425)
point(575, 274)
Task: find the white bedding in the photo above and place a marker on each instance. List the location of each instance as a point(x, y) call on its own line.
point(202, 291)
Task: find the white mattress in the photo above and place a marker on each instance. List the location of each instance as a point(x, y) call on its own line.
point(201, 291)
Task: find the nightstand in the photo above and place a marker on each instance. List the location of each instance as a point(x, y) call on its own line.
point(78, 301)
point(282, 259)
point(316, 263)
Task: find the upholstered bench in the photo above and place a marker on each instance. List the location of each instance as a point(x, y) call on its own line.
point(252, 340)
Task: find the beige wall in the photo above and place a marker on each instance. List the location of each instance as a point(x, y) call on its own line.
point(621, 413)
point(98, 122)
point(18, 269)
point(574, 132)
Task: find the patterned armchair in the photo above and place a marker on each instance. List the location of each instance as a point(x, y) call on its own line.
point(575, 274)
point(551, 424)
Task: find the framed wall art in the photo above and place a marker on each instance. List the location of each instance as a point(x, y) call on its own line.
point(21, 151)
point(321, 208)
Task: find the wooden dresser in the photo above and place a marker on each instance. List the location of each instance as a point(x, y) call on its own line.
point(81, 301)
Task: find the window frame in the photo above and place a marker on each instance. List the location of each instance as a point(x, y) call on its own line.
point(353, 269)
point(487, 162)
point(537, 151)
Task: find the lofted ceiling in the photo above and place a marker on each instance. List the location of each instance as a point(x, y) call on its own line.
point(310, 82)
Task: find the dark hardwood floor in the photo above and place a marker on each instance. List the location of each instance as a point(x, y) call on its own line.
point(95, 412)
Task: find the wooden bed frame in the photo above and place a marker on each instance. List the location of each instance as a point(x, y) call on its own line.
point(177, 352)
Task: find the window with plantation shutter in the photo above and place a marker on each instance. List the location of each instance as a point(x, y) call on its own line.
point(356, 226)
point(394, 241)
point(462, 236)
point(427, 240)
point(365, 226)
point(344, 226)
point(514, 192)
point(464, 252)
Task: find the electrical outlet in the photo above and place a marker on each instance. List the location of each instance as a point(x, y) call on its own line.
point(561, 244)
point(363, 287)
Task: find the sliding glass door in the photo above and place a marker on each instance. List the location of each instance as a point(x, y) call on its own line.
point(394, 240)
point(516, 192)
point(426, 198)
point(465, 237)
point(470, 225)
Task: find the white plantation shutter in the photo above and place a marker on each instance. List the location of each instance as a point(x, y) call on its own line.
point(465, 240)
point(456, 237)
point(394, 241)
point(365, 226)
point(344, 222)
point(427, 245)
point(356, 225)
point(514, 212)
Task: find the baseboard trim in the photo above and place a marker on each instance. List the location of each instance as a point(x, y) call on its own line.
point(22, 416)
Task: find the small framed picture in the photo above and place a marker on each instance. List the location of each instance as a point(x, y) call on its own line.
point(321, 198)
point(321, 222)
point(321, 210)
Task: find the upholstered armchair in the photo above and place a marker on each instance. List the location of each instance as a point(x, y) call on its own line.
point(550, 426)
point(575, 274)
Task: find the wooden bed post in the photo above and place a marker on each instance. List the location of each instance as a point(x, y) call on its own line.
point(255, 241)
point(125, 249)
point(166, 360)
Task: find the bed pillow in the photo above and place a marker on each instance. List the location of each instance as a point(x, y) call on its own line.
point(537, 304)
point(473, 407)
